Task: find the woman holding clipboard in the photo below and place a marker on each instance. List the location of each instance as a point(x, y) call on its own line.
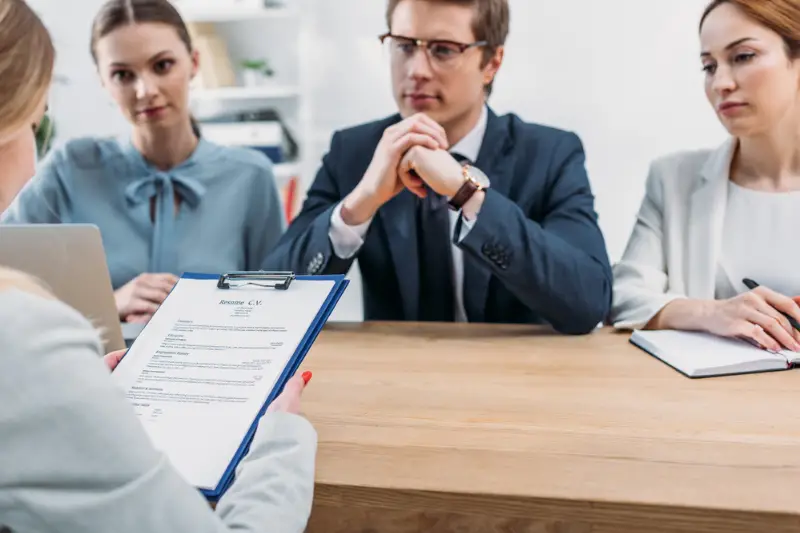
point(73, 455)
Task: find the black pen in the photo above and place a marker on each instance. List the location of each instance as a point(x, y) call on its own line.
point(750, 284)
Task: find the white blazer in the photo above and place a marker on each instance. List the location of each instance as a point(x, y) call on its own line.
point(674, 249)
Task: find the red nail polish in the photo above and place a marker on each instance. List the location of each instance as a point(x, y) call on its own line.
point(306, 377)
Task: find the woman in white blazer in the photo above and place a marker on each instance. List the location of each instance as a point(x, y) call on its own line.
point(711, 219)
point(73, 456)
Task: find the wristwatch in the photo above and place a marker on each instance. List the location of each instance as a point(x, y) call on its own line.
point(474, 180)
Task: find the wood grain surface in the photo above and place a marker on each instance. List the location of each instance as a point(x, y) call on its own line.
point(467, 428)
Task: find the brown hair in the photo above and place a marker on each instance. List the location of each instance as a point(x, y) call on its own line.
point(780, 16)
point(27, 58)
point(115, 14)
point(490, 24)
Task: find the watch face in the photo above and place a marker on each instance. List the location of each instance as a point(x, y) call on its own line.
point(479, 177)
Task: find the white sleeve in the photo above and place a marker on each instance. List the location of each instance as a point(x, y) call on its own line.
point(74, 457)
point(346, 240)
point(640, 277)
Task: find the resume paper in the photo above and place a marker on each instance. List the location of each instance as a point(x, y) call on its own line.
point(206, 363)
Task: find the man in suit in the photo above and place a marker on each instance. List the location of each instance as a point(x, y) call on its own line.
point(455, 213)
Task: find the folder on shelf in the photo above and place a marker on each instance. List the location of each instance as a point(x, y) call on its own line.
point(215, 65)
point(266, 136)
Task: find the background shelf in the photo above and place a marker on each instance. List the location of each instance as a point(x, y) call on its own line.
point(267, 92)
point(234, 14)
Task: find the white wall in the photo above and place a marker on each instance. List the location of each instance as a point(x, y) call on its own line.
point(79, 105)
point(623, 74)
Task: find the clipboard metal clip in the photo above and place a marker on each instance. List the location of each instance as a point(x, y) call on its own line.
point(268, 280)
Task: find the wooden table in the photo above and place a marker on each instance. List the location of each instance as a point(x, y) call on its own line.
point(468, 428)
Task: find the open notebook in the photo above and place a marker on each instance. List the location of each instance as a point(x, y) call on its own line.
point(700, 355)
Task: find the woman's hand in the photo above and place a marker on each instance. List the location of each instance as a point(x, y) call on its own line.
point(289, 400)
point(139, 299)
point(756, 315)
point(113, 359)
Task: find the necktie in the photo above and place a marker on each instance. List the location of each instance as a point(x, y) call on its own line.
point(162, 186)
point(434, 242)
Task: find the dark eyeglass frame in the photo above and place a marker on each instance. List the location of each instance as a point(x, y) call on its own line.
point(428, 43)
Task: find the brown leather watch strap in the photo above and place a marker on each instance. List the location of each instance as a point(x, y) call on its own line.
point(463, 195)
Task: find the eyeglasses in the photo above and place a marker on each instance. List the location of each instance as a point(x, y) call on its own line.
point(442, 53)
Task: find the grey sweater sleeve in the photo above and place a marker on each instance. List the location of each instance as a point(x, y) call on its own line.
point(74, 458)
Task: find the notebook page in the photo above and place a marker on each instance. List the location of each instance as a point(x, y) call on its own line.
point(702, 354)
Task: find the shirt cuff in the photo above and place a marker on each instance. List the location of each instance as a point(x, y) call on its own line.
point(346, 240)
point(466, 227)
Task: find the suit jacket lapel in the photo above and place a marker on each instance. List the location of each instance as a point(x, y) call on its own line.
point(496, 159)
point(706, 218)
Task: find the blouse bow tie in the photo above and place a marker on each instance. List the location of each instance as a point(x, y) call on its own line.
point(162, 186)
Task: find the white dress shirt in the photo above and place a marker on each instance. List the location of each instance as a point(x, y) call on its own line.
point(757, 242)
point(347, 240)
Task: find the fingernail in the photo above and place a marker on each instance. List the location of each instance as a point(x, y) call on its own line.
point(306, 377)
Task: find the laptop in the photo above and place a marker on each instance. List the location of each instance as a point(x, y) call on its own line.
point(71, 261)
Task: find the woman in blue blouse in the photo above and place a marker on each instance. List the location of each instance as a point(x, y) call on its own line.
point(166, 200)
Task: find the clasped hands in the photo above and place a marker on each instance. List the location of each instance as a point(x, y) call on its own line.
point(410, 155)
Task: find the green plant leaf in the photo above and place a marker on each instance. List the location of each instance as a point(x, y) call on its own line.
point(45, 134)
point(254, 64)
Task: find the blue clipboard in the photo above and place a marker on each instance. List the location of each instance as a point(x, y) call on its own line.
point(278, 281)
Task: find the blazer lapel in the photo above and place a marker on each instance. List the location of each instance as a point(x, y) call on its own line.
point(706, 218)
point(496, 159)
point(401, 233)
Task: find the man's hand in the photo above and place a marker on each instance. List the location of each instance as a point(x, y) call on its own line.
point(436, 168)
point(140, 298)
point(381, 182)
point(113, 359)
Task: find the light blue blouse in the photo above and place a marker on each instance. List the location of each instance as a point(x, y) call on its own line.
point(230, 215)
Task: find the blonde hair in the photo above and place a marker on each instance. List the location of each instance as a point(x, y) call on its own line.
point(14, 279)
point(11, 279)
point(27, 57)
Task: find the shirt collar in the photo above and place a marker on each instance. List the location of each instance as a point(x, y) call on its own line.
point(203, 149)
point(470, 145)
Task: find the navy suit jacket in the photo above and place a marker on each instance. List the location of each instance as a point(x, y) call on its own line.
point(534, 255)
